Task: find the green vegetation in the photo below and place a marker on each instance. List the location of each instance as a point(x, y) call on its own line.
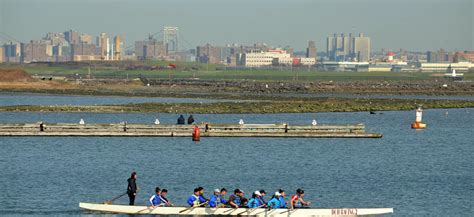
point(209, 72)
point(317, 105)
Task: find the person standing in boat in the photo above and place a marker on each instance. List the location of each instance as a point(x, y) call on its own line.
point(155, 199)
point(297, 201)
point(132, 188)
point(236, 200)
point(275, 202)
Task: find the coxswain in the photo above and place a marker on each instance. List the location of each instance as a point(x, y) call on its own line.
point(180, 120)
point(274, 203)
point(132, 188)
point(236, 199)
point(155, 199)
point(297, 200)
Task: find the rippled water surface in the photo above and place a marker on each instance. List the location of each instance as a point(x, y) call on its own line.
point(418, 172)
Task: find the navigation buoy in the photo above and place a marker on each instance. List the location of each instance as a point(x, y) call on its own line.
point(314, 123)
point(196, 133)
point(157, 122)
point(241, 122)
point(82, 122)
point(418, 124)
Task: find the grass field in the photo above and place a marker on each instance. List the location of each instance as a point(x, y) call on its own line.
point(213, 73)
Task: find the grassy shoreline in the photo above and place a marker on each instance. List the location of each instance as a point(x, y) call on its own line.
point(320, 105)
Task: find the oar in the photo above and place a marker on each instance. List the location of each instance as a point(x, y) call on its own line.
point(249, 210)
point(184, 210)
point(115, 198)
point(139, 211)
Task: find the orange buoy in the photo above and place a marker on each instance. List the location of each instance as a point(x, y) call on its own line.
point(418, 124)
point(196, 133)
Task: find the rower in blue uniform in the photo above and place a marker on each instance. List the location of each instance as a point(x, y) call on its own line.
point(274, 203)
point(155, 199)
point(217, 199)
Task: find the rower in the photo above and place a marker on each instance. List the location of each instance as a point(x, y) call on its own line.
point(263, 193)
point(194, 200)
point(163, 198)
point(255, 201)
point(155, 199)
point(297, 201)
point(217, 199)
point(236, 199)
point(274, 203)
point(282, 198)
point(201, 194)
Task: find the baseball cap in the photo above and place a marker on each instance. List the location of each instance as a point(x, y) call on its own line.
point(257, 193)
point(277, 193)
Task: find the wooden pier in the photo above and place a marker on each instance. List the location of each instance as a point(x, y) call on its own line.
point(206, 130)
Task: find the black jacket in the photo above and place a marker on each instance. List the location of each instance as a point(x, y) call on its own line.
point(132, 186)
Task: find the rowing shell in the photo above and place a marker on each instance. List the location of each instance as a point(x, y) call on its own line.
point(343, 212)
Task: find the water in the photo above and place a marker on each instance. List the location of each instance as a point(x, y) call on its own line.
point(418, 172)
point(11, 99)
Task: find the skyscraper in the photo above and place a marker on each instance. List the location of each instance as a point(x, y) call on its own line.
point(361, 48)
point(311, 50)
point(117, 48)
point(170, 39)
point(71, 36)
point(103, 46)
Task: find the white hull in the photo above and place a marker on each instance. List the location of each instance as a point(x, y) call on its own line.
point(343, 212)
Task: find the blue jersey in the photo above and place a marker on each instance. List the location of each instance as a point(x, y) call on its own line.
point(274, 203)
point(195, 200)
point(254, 202)
point(282, 202)
point(155, 200)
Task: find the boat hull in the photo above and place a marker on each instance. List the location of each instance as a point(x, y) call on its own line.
point(125, 209)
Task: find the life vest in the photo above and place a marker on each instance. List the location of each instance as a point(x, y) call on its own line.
point(253, 202)
point(237, 200)
point(297, 203)
point(197, 201)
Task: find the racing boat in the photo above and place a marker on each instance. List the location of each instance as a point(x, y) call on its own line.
point(159, 210)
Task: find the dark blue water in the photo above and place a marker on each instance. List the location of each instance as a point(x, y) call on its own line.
point(7, 99)
point(418, 172)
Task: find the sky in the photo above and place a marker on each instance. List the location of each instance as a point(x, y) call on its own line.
point(414, 25)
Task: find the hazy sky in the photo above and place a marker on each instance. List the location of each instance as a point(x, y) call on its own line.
point(409, 24)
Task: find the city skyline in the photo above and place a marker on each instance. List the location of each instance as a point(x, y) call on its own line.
point(279, 23)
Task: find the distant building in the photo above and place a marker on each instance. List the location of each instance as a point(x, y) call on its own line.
point(258, 58)
point(311, 51)
point(71, 36)
point(2, 55)
point(446, 67)
point(104, 46)
point(361, 47)
point(118, 48)
point(83, 51)
point(12, 52)
point(150, 49)
point(348, 48)
point(436, 56)
point(210, 54)
point(170, 39)
point(464, 56)
point(36, 51)
point(85, 38)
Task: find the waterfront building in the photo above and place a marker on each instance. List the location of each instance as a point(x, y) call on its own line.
point(361, 48)
point(71, 36)
point(311, 51)
point(258, 58)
